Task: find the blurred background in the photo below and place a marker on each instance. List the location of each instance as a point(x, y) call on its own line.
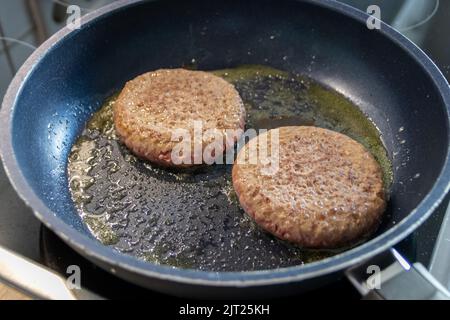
point(27, 23)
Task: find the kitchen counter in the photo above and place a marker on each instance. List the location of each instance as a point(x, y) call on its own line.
point(6, 293)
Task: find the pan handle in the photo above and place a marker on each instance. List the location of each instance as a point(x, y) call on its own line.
point(389, 276)
point(36, 281)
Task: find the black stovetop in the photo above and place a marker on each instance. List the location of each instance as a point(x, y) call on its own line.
point(21, 232)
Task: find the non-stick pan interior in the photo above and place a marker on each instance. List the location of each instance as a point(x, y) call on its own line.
point(192, 218)
point(81, 71)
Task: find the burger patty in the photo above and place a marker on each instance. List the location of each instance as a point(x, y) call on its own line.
point(153, 106)
point(327, 192)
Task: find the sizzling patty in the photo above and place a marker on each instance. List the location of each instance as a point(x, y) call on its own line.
point(327, 193)
point(154, 105)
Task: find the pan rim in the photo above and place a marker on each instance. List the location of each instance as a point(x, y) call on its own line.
point(93, 250)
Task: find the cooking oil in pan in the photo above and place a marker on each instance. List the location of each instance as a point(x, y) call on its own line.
point(193, 219)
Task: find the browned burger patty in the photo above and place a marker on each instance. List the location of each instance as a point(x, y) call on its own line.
point(327, 193)
point(153, 105)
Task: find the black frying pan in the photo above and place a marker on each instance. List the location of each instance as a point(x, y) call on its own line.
point(392, 81)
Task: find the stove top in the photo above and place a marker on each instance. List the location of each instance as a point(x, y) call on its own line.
point(56, 255)
point(22, 233)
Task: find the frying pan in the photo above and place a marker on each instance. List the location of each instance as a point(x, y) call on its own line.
point(390, 79)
